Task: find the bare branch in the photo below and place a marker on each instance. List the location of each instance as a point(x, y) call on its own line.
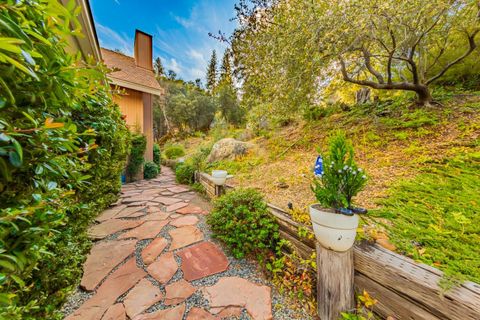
point(368, 64)
point(472, 47)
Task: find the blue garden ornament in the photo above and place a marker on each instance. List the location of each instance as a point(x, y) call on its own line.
point(318, 170)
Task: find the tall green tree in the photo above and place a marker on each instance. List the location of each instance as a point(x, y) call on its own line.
point(212, 72)
point(158, 67)
point(226, 68)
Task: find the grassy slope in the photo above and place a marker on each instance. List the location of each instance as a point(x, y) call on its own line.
point(394, 144)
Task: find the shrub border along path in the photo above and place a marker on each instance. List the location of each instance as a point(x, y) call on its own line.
point(155, 260)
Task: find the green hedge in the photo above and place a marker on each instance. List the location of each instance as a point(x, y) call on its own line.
point(185, 173)
point(174, 151)
point(157, 155)
point(136, 158)
point(63, 146)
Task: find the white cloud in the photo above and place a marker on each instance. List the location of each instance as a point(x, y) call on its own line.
point(113, 40)
point(172, 64)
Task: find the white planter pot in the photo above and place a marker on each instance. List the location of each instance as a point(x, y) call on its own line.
point(219, 177)
point(334, 231)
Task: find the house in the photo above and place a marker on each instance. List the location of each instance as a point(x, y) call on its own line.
point(134, 76)
point(136, 79)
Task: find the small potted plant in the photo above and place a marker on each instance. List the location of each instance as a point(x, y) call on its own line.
point(337, 181)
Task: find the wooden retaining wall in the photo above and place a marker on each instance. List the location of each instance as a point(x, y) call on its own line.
point(404, 288)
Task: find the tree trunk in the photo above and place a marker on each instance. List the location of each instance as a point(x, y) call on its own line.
point(423, 95)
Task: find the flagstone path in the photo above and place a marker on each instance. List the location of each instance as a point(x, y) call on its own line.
point(154, 259)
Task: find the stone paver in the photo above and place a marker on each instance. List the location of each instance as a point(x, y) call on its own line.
point(176, 206)
point(141, 297)
point(175, 313)
point(200, 314)
point(164, 268)
point(177, 292)
point(236, 291)
point(108, 227)
point(202, 260)
point(147, 230)
point(110, 213)
point(103, 257)
point(185, 236)
point(135, 278)
point(115, 312)
point(191, 209)
point(116, 284)
point(153, 250)
point(189, 220)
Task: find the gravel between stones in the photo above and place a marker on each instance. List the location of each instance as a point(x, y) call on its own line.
point(237, 267)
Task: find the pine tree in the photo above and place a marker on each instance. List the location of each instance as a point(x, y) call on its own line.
point(212, 72)
point(158, 67)
point(226, 68)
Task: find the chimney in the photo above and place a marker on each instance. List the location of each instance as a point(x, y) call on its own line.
point(143, 50)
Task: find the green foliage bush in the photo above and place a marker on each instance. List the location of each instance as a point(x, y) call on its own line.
point(174, 151)
point(150, 170)
point(157, 155)
point(185, 173)
point(241, 219)
point(63, 145)
point(136, 158)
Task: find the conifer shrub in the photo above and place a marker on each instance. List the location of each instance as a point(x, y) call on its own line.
point(150, 170)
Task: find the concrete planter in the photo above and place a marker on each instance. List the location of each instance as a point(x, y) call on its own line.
point(334, 231)
point(219, 177)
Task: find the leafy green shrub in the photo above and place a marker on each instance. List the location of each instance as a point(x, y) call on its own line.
point(338, 179)
point(136, 158)
point(174, 151)
point(150, 170)
point(63, 145)
point(157, 155)
point(241, 219)
point(185, 173)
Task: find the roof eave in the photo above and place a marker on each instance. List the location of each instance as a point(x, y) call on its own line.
point(135, 86)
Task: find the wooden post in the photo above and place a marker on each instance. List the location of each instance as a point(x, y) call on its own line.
point(335, 293)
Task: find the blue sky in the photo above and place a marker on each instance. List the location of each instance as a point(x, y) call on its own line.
point(179, 27)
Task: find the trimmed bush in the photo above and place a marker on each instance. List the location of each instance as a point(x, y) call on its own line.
point(185, 173)
point(241, 219)
point(136, 158)
point(174, 151)
point(63, 146)
point(157, 155)
point(150, 170)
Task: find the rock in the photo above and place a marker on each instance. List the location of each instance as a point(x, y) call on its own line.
point(141, 297)
point(228, 148)
point(178, 189)
point(113, 287)
point(139, 198)
point(185, 236)
point(184, 221)
point(137, 204)
point(110, 213)
point(164, 268)
point(148, 230)
point(153, 250)
point(178, 292)
point(202, 260)
point(109, 227)
point(238, 292)
point(103, 257)
point(167, 200)
point(157, 216)
point(227, 312)
point(130, 212)
point(175, 313)
point(115, 312)
point(199, 314)
point(191, 209)
point(176, 206)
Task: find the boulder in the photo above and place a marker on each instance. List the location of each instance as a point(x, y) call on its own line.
point(228, 148)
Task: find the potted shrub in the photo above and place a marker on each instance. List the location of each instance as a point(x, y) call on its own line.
point(337, 181)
